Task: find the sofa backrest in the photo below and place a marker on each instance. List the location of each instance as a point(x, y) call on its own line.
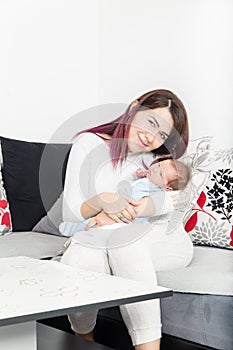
point(33, 175)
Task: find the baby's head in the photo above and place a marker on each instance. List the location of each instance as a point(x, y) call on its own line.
point(169, 174)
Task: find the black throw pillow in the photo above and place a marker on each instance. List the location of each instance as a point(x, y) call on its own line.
point(33, 175)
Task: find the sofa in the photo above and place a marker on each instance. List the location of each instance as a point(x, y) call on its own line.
point(199, 314)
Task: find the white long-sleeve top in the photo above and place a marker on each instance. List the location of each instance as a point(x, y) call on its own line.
point(90, 172)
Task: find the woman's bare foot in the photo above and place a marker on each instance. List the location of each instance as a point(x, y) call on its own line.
point(87, 336)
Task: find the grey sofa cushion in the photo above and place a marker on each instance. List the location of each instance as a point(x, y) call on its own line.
point(210, 272)
point(32, 244)
point(50, 222)
point(203, 319)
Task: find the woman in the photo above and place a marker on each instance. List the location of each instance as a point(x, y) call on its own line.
point(153, 125)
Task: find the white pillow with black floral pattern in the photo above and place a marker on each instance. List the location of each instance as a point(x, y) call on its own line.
point(197, 158)
point(210, 221)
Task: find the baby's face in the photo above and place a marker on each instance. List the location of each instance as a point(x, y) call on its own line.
point(161, 173)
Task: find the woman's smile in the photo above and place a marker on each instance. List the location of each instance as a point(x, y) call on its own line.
point(149, 129)
point(141, 142)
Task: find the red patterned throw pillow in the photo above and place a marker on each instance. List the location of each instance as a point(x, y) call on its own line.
point(5, 217)
point(210, 221)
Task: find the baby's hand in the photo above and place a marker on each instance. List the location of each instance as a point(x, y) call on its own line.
point(139, 173)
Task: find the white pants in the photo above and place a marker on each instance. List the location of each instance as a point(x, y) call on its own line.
point(139, 260)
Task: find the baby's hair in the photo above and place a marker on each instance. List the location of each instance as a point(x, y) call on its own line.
point(183, 174)
point(183, 178)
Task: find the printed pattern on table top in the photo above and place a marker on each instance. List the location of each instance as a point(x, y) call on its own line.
point(29, 286)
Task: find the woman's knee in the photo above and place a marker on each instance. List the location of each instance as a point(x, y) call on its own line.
point(86, 258)
point(70, 256)
point(131, 262)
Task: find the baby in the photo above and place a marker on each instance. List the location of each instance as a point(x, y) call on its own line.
point(166, 175)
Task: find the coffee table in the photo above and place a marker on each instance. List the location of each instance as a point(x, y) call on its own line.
point(32, 289)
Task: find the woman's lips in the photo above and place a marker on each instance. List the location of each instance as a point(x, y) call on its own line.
point(141, 142)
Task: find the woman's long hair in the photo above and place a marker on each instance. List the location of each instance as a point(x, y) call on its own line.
point(177, 141)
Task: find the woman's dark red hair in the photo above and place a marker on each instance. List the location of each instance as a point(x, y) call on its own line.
point(176, 143)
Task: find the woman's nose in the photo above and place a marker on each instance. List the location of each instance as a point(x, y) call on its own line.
point(153, 140)
point(150, 137)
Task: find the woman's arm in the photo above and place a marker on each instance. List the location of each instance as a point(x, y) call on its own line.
point(148, 206)
point(80, 199)
point(157, 204)
point(112, 204)
point(79, 177)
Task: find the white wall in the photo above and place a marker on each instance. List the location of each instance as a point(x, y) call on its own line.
point(48, 64)
point(182, 45)
point(61, 57)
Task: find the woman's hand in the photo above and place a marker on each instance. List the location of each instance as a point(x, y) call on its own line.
point(103, 218)
point(119, 207)
point(127, 215)
point(146, 207)
point(99, 220)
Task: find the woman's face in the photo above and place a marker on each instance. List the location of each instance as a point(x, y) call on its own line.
point(149, 129)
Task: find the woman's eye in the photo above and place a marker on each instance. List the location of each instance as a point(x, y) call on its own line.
point(162, 136)
point(151, 122)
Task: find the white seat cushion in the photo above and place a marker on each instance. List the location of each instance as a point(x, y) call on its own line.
point(210, 272)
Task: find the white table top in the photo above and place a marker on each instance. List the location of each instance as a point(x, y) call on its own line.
point(32, 289)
